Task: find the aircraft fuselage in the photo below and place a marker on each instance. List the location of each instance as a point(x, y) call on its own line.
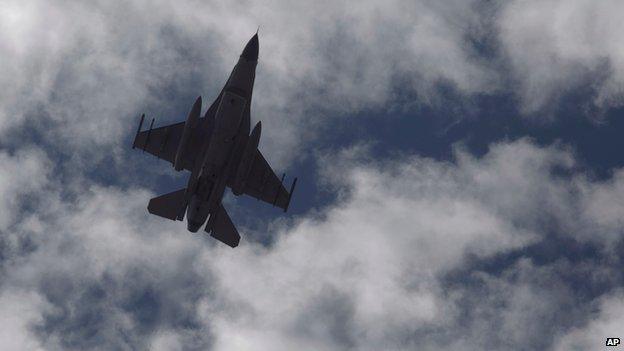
point(228, 135)
point(220, 153)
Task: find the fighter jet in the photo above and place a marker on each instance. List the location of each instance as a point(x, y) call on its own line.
point(219, 152)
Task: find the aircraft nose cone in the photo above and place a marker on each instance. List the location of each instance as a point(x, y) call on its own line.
point(250, 53)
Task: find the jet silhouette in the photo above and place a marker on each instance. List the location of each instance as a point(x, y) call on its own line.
point(219, 152)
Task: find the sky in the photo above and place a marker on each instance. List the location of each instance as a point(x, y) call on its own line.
point(461, 181)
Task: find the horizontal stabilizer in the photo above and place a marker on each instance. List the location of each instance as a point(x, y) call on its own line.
point(168, 205)
point(222, 228)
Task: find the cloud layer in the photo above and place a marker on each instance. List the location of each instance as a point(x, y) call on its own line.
point(400, 261)
point(556, 47)
point(89, 69)
point(515, 249)
point(82, 73)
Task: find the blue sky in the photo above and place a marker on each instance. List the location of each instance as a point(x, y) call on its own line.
point(460, 171)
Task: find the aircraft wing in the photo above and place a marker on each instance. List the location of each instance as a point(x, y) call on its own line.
point(263, 184)
point(163, 143)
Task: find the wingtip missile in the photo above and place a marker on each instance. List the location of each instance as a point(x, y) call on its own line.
point(138, 131)
point(292, 189)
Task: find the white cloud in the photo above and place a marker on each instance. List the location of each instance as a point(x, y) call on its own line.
point(19, 312)
point(373, 270)
point(166, 341)
point(556, 46)
point(88, 69)
point(23, 174)
point(85, 266)
point(604, 204)
point(606, 323)
point(82, 72)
